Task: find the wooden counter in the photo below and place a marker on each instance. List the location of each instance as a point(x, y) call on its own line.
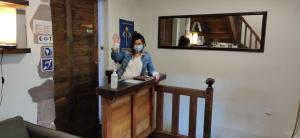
point(128, 111)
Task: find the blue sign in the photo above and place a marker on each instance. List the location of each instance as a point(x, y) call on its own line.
point(47, 64)
point(48, 51)
point(126, 31)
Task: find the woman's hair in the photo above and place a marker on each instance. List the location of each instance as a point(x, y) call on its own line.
point(183, 41)
point(137, 36)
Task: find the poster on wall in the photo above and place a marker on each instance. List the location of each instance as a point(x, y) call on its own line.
point(42, 27)
point(126, 31)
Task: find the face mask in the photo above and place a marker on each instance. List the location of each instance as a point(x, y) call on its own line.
point(138, 48)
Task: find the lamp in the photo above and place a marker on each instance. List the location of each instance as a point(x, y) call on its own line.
point(193, 36)
point(8, 27)
point(8, 21)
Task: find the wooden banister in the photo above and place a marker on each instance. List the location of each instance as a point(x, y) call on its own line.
point(208, 108)
point(182, 91)
point(252, 30)
point(194, 95)
point(193, 117)
point(175, 113)
point(160, 109)
point(251, 33)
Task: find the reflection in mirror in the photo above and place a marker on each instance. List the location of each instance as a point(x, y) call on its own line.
point(232, 31)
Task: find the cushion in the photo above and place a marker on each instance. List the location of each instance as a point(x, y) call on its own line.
point(13, 128)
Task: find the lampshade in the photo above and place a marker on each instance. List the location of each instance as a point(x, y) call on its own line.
point(193, 36)
point(8, 26)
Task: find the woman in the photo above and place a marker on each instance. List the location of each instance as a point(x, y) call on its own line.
point(136, 62)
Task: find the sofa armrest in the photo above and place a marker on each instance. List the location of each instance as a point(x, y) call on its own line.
point(36, 131)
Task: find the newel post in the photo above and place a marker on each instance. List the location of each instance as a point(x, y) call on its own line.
point(208, 108)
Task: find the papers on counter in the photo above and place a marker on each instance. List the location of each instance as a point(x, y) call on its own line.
point(133, 81)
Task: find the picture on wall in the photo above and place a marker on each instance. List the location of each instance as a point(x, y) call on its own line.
point(126, 31)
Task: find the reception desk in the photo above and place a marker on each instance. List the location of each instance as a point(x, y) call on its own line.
point(128, 111)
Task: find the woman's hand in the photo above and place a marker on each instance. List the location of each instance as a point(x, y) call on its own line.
point(116, 39)
point(116, 43)
point(156, 77)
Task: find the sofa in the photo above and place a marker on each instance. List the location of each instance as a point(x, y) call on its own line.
point(16, 127)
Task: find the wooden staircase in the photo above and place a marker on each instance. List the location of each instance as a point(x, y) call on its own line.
point(228, 29)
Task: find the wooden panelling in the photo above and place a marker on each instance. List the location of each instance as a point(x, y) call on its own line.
point(129, 115)
point(121, 118)
point(75, 74)
point(142, 105)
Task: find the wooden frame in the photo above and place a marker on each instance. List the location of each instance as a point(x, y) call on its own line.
point(199, 47)
point(15, 51)
point(194, 94)
point(14, 3)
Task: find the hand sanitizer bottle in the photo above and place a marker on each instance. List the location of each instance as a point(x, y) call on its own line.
point(114, 80)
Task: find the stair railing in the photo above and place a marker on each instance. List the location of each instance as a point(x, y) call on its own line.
point(252, 33)
point(194, 94)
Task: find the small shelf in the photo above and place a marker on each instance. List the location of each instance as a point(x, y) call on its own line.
point(14, 3)
point(15, 51)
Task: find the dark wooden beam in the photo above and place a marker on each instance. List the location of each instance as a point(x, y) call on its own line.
point(15, 51)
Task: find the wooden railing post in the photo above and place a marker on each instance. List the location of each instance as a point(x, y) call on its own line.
point(159, 109)
point(175, 113)
point(193, 117)
point(208, 108)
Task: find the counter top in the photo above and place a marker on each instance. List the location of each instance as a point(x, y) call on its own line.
point(126, 88)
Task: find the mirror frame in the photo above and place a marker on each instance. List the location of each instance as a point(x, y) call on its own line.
point(263, 31)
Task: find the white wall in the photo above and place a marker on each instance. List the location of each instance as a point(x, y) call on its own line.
point(247, 84)
point(20, 72)
point(119, 9)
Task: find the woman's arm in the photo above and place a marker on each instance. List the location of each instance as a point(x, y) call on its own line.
point(117, 56)
point(151, 69)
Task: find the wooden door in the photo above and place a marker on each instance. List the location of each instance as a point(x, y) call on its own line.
point(166, 30)
point(76, 69)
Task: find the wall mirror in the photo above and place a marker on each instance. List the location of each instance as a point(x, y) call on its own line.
point(228, 31)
